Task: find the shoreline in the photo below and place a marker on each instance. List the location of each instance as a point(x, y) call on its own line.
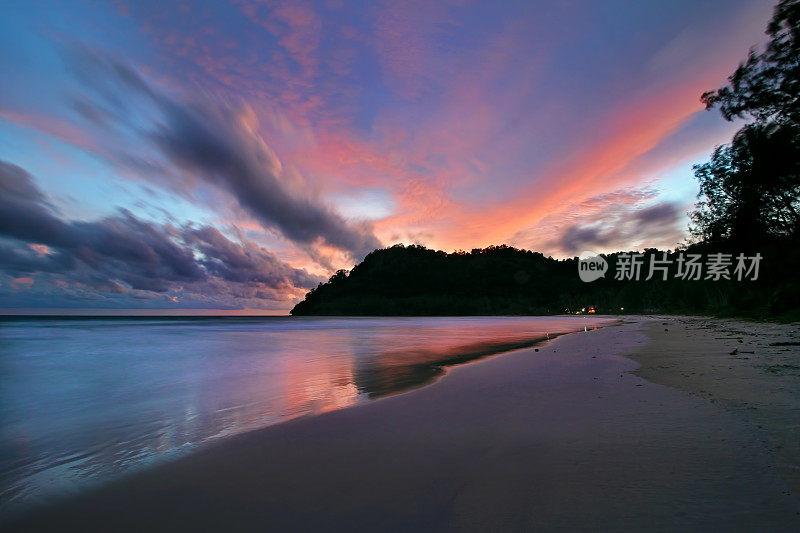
point(484, 446)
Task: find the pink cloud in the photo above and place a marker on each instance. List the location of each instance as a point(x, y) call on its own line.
point(40, 249)
point(51, 125)
point(22, 282)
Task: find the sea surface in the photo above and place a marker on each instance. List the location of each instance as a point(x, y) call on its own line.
point(84, 400)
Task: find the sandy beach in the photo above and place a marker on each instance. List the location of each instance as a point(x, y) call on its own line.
point(752, 369)
point(571, 435)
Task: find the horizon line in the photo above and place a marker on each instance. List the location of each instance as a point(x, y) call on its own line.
point(94, 311)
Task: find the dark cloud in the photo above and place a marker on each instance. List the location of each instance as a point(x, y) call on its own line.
point(620, 226)
point(122, 254)
point(215, 142)
point(577, 238)
point(24, 211)
point(623, 219)
point(19, 260)
point(665, 213)
point(243, 263)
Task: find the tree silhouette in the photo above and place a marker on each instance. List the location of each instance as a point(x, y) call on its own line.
point(501, 280)
point(750, 190)
point(766, 86)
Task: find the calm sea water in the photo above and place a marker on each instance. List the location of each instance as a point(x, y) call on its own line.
point(83, 400)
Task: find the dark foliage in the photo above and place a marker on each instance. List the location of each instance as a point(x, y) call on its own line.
point(500, 280)
point(750, 190)
point(766, 86)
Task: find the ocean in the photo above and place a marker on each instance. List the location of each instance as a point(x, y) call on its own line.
point(85, 400)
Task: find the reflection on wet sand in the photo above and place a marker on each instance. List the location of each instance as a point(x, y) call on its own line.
point(317, 386)
point(394, 371)
point(82, 400)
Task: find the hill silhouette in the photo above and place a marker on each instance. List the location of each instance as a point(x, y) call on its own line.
point(502, 280)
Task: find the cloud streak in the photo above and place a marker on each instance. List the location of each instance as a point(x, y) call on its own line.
point(216, 142)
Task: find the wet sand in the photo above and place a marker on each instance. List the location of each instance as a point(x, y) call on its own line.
point(566, 437)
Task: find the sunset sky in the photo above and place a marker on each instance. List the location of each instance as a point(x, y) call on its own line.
point(233, 154)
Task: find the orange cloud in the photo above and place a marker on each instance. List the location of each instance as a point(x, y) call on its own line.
point(40, 249)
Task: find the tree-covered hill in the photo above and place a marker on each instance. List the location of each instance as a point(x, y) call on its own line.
point(500, 280)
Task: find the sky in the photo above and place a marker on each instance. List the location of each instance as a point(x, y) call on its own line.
point(234, 154)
